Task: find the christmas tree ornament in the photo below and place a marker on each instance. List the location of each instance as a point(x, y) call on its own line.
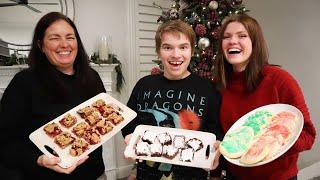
point(195, 69)
point(204, 8)
point(237, 2)
point(209, 25)
point(156, 70)
point(209, 53)
point(203, 55)
point(175, 5)
point(174, 14)
point(212, 15)
point(200, 30)
point(203, 43)
point(215, 33)
point(213, 5)
point(192, 20)
point(214, 56)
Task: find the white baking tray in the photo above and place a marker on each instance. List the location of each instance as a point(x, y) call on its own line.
point(274, 109)
point(201, 158)
point(41, 139)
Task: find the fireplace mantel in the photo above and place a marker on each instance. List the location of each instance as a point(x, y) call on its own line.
point(106, 72)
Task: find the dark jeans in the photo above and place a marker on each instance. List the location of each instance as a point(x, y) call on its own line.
point(145, 172)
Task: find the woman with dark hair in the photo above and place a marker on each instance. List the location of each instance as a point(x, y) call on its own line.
point(58, 79)
point(247, 81)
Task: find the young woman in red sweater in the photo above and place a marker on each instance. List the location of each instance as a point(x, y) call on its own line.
point(247, 81)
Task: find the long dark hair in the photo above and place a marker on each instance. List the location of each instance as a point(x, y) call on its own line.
point(258, 58)
point(46, 71)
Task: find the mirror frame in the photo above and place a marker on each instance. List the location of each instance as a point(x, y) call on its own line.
point(67, 8)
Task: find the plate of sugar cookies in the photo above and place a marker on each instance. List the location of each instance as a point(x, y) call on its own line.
point(172, 146)
point(79, 131)
point(262, 135)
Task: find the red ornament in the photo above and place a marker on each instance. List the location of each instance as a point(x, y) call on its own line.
point(215, 33)
point(213, 15)
point(200, 30)
point(156, 70)
point(189, 120)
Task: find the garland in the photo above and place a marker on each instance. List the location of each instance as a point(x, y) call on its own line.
point(112, 59)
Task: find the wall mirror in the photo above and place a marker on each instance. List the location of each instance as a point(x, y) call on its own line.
point(18, 19)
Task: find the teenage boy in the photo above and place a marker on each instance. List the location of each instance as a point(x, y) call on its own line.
point(159, 98)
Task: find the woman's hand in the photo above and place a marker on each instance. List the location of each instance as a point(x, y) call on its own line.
point(52, 163)
point(215, 162)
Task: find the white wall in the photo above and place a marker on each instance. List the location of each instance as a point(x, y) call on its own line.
point(291, 29)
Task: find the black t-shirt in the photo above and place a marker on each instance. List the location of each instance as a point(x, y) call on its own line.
point(158, 100)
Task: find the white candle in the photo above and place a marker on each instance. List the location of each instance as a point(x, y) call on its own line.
point(103, 48)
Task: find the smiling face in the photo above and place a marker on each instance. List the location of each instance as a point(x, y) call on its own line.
point(60, 46)
point(237, 46)
point(175, 55)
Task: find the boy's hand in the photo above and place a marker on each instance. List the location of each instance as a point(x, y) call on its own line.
point(127, 139)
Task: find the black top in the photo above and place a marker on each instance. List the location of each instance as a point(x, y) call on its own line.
point(26, 105)
point(157, 101)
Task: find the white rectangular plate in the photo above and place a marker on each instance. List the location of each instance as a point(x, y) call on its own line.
point(41, 139)
point(274, 109)
point(200, 160)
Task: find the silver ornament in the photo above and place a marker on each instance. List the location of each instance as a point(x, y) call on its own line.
point(213, 5)
point(203, 43)
point(174, 13)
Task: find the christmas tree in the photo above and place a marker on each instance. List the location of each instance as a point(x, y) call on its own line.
point(205, 17)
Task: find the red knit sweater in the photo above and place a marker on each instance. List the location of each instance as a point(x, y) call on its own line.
point(276, 86)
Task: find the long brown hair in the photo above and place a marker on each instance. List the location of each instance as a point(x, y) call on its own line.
point(48, 74)
point(258, 58)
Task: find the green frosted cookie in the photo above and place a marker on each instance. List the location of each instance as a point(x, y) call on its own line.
point(236, 142)
point(258, 120)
